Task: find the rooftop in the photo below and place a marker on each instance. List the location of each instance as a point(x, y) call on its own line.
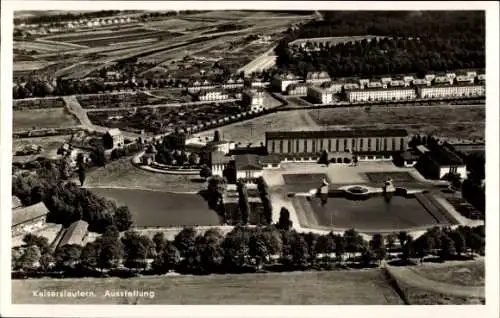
point(218, 157)
point(75, 233)
point(25, 214)
point(445, 157)
point(248, 162)
point(376, 89)
point(337, 133)
point(114, 132)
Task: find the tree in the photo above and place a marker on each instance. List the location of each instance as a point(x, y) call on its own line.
point(323, 159)
point(367, 256)
point(81, 174)
point(300, 251)
point(402, 237)
point(46, 261)
point(29, 258)
point(390, 242)
point(284, 222)
point(159, 242)
point(89, 256)
point(408, 248)
point(216, 136)
point(184, 241)
point(447, 247)
point(98, 156)
point(235, 249)
point(458, 241)
point(263, 189)
point(325, 245)
point(423, 246)
point(353, 242)
point(67, 256)
point(111, 250)
point(205, 172)
point(194, 159)
point(377, 246)
point(136, 249)
point(243, 204)
point(40, 241)
point(171, 256)
point(123, 218)
point(257, 248)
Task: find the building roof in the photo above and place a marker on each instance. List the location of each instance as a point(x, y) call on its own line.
point(377, 89)
point(218, 157)
point(410, 155)
point(444, 157)
point(16, 202)
point(114, 132)
point(336, 133)
point(25, 214)
point(317, 75)
point(75, 233)
point(423, 149)
point(456, 85)
point(248, 162)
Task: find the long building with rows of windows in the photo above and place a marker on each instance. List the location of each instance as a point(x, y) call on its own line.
point(377, 94)
point(340, 144)
point(444, 91)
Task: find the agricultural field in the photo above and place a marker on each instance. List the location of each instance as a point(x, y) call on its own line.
point(365, 287)
point(465, 273)
point(43, 118)
point(456, 121)
point(253, 130)
point(49, 146)
point(29, 66)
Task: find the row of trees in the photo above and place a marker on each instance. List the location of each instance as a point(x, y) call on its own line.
point(243, 249)
point(413, 43)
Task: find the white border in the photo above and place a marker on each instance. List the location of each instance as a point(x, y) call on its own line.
point(491, 308)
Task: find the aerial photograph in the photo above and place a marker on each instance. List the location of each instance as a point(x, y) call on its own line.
point(248, 157)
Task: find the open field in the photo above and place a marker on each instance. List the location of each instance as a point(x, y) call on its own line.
point(252, 131)
point(364, 287)
point(43, 118)
point(43, 47)
point(28, 66)
point(461, 273)
point(121, 173)
point(162, 209)
point(460, 122)
point(48, 144)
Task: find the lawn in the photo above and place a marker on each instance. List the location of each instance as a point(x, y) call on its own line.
point(43, 118)
point(253, 130)
point(121, 173)
point(162, 209)
point(365, 287)
point(456, 121)
point(464, 274)
point(396, 176)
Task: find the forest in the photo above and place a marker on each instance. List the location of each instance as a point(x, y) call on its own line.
point(408, 43)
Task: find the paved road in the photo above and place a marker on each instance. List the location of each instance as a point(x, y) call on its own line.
point(76, 109)
point(411, 278)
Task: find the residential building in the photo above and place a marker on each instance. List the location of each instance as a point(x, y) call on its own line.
point(408, 80)
point(27, 219)
point(221, 146)
point(211, 95)
point(446, 91)
point(421, 82)
point(350, 86)
point(321, 95)
point(254, 99)
point(258, 83)
point(375, 84)
point(248, 167)
point(219, 162)
point(297, 89)
point(439, 162)
point(75, 234)
point(386, 80)
point(397, 83)
point(429, 77)
point(280, 83)
point(377, 94)
point(308, 145)
point(442, 79)
point(233, 83)
point(363, 82)
point(113, 139)
point(317, 78)
point(464, 79)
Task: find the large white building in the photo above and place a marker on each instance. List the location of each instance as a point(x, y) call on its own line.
point(297, 89)
point(443, 79)
point(281, 83)
point(212, 95)
point(320, 95)
point(317, 78)
point(451, 91)
point(253, 98)
point(464, 79)
point(367, 95)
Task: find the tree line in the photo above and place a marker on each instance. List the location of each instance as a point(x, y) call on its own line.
point(243, 249)
point(410, 43)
